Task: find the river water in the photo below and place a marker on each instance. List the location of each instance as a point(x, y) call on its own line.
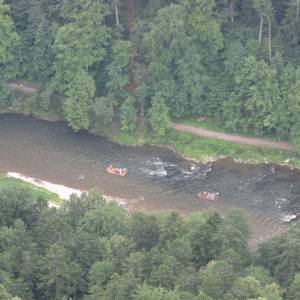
point(157, 179)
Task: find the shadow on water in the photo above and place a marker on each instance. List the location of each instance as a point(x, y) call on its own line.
point(157, 177)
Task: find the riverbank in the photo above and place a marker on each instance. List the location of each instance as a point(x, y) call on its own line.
point(190, 146)
point(54, 193)
point(11, 181)
point(237, 139)
point(157, 179)
point(207, 149)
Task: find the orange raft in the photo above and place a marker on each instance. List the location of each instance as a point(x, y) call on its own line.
point(116, 171)
point(208, 196)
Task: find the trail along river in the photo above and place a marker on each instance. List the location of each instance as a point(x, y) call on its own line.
point(157, 179)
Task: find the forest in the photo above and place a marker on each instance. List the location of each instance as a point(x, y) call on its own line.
point(140, 63)
point(89, 249)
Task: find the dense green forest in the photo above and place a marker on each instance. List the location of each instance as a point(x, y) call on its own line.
point(89, 249)
point(140, 63)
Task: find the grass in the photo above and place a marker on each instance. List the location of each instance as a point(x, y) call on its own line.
point(201, 148)
point(204, 148)
point(204, 123)
point(10, 183)
point(216, 125)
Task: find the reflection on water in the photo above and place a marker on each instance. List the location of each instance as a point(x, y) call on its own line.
point(160, 179)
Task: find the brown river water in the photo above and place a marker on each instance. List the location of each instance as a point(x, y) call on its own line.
point(157, 179)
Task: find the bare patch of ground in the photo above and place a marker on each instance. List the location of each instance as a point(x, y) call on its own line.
point(233, 138)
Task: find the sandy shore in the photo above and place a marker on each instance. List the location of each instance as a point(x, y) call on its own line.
point(65, 192)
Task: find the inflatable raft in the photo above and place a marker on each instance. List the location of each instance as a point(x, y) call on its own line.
point(116, 171)
point(208, 196)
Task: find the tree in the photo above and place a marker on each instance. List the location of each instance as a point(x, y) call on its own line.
point(244, 288)
point(56, 277)
point(117, 70)
point(165, 275)
point(205, 240)
point(128, 115)
point(9, 40)
point(252, 105)
point(281, 255)
point(52, 227)
point(264, 9)
point(216, 274)
point(116, 12)
point(13, 206)
point(187, 279)
point(235, 233)
point(230, 3)
point(179, 76)
point(272, 291)
point(117, 249)
point(103, 109)
point(120, 287)
point(146, 292)
point(172, 227)
point(105, 220)
point(291, 27)
point(136, 263)
point(292, 83)
point(259, 273)
point(293, 291)
point(78, 46)
point(4, 295)
point(144, 230)
point(79, 98)
point(20, 241)
point(87, 250)
point(158, 115)
point(101, 273)
point(37, 39)
point(142, 90)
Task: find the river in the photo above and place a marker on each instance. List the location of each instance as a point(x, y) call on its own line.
point(157, 179)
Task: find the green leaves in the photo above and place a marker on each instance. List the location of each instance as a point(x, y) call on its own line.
point(128, 115)
point(4, 295)
point(158, 115)
point(95, 250)
point(79, 93)
point(179, 46)
point(253, 103)
point(78, 45)
point(57, 273)
point(216, 274)
point(8, 40)
point(263, 7)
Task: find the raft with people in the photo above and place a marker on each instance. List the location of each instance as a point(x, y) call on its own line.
point(116, 171)
point(208, 196)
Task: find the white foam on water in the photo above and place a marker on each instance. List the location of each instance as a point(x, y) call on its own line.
point(156, 167)
point(288, 218)
point(280, 202)
point(161, 172)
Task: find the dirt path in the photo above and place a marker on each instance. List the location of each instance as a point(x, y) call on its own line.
point(22, 87)
point(232, 138)
point(187, 128)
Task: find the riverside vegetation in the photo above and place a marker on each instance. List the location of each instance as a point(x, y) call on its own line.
point(140, 63)
point(89, 249)
point(7, 183)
